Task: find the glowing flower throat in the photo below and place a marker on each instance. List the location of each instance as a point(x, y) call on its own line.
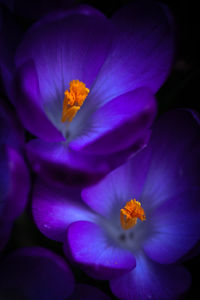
point(74, 98)
point(129, 214)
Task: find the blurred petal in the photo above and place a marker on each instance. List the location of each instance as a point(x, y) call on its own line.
point(150, 280)
point(118, 124)
point(37, 273)
point(90, 247)
point(142, 51)
point(87, 292)
point(11, 131)
point(55, 208)
point(18, 185)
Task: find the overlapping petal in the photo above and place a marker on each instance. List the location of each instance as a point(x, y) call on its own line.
point(29, 105)
point(54, 208)
point(118, 124)
point(58, 164)
point(11, 131)
point(90, 246)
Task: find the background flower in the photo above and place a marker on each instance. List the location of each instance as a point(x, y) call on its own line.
point(37, 273)
point(133, 54)
point(164, 177)
point(15, 181)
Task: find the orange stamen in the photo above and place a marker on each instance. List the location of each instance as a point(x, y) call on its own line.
point(130, 213)
point(74, 98)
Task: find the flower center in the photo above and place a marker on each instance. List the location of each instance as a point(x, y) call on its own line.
point(73, 100)
point(130, 213)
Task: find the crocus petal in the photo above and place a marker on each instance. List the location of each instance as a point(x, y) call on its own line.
point(18, 186)
point(175, 159)
point(142, 51)
point(175, 228)
point(90, 246)
point(56, 162)
point(150, 280)
point(82, 9)
point(63, 50)
point(54, 208)
point(87, 292)
point(29, 105)
point(59, 164)
point(36, 273)
point(11, 132)
point(118, 124)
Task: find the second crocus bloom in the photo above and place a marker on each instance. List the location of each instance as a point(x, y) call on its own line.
point(140, 220)
point(86, 84)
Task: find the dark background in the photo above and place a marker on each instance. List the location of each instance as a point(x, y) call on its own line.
point(180, 90)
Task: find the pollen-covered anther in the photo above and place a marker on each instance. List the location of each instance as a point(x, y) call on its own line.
point(130, 213)
point(74, 98)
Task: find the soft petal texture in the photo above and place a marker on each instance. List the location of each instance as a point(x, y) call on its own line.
point(87, 292)
point(142, 52)
point(18, 185)
point(55, 208)
point(118, 124)
point(90, 246)
point(29, 105)
point(11, 132)
point(175, 228)
point(150, 280)
point(36, 273)
point(175, 159)
point(10, 36)
point(63, 50)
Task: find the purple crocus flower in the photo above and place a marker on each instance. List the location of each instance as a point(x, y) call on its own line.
point(37, 273)
point(140, 220)
point(14, 175)
point(85, 87)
